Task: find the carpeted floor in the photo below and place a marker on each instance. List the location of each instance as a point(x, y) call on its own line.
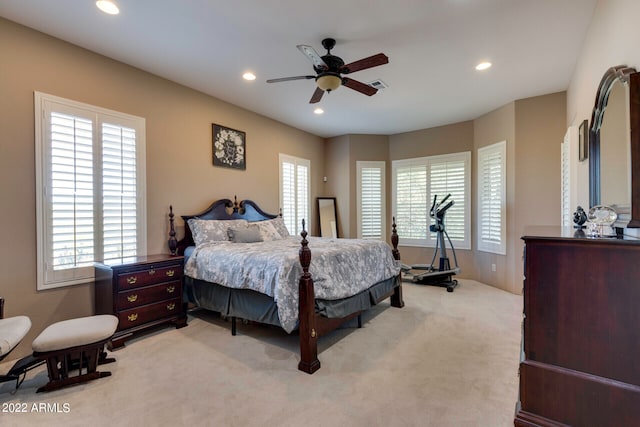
point(445, 359)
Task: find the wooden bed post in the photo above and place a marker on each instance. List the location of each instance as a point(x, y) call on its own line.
point(396, 298)
point(309, 362)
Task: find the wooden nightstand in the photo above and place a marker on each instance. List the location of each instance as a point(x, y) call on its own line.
point(142, 292)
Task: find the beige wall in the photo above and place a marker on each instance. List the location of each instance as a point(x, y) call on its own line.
point(611, 40)
point(368, 148)
point(455, 138)
point(178, 142)
point(338, 173)
point(341, 154)
point(179, 169)
point(495, 126)
point(540, 129)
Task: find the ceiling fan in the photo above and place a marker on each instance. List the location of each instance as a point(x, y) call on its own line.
point(330, 68)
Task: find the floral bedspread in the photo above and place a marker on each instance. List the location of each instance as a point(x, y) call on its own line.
point(339, 268)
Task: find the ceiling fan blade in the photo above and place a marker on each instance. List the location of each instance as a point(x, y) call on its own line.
point(358, 86)
point(317, 96)
point(364, 63)
point(286, 79)
point(309, 52)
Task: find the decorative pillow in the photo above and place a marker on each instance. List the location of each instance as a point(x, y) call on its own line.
point(267, 230)
point(250, 234)
point(213, 230)
point(278, 223)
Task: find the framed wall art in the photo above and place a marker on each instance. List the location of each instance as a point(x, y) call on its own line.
point(583, 140)
point(229, 148)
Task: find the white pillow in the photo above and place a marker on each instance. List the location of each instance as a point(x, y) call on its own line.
point(267, 230)
point(278, 223)
point(213, 230)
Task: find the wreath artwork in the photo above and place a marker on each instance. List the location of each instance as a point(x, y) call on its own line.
point(228, 147)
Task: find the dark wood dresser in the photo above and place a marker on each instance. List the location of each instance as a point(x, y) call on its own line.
point(581, 334)
point(142, 292)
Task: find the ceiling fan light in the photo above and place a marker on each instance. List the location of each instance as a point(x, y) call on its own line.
point(328, 82)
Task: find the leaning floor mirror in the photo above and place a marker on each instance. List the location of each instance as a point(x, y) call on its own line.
point(327, 217)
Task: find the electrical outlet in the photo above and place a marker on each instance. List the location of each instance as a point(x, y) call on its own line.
point(493, 267)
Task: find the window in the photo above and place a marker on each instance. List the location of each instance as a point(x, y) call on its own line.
point(492, 198)
point(294, 192)
point(371, 200)
point(416, 182)
point(90, 187)
point(565, 201)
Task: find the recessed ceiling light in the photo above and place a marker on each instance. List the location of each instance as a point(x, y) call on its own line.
point(318, 111)
point(483, 66)
point(107, 6)
point(249, 76)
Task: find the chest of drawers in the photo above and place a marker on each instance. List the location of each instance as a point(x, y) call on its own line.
point(143, 292)
point(579, 362)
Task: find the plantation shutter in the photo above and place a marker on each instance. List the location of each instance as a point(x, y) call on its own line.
point(491, 195)
point(294, 192)
point(567, 217)
point(302, 197)
point(71, 207)
point(119, 191)
point(416, 182)
point(90, 189)
point(371, 214)
point(411, 201)
point(449, 177)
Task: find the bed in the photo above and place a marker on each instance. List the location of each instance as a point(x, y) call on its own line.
point(269, 277)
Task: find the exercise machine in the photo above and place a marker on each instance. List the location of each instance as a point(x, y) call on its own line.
point(427, 274)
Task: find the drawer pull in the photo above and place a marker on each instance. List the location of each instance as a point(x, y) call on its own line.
point(152, 272)
point(132, 298)
point(132, 317)
point(170, 273)
point(171, 289)
point(171, 306)
point(132, 280)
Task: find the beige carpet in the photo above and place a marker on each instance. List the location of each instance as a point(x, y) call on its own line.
point(445, 359)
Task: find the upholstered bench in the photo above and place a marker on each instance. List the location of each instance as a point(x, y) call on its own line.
point(75, 344)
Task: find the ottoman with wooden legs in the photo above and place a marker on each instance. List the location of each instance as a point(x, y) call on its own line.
point(75, 345)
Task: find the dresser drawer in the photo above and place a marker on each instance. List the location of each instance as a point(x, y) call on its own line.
point(148, 313)
point(150, 276)
point(148, 295)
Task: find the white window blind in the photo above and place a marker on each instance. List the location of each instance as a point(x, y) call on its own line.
point(567, 217)
point(411, 210)
point(295, 192)
point(492, 198)
point(416, 182)
point(90, 189)
point(371, 200)
point(450, 177)
point(119, 191)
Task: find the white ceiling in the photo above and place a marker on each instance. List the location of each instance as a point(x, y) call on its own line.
point(432, 45)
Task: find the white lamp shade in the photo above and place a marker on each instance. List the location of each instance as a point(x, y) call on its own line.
point(328, 82)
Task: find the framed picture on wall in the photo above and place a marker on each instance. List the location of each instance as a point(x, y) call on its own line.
point(229, 148)
point(583, 140)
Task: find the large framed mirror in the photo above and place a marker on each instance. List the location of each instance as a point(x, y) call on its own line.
point(327, 217)
point(614, 145)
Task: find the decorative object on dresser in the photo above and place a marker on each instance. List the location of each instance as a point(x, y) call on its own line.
point(236, 278)
point(579, 218)
point(142, 292)
point(229, 148)
point(579, 362)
